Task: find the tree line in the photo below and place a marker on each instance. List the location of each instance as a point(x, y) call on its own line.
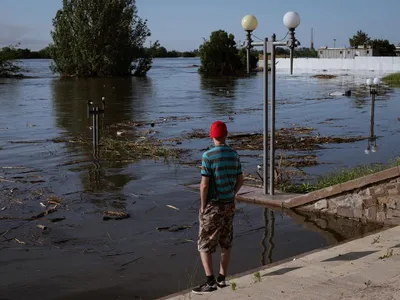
point(162, 52)
point(381, 47)
point(18, 53)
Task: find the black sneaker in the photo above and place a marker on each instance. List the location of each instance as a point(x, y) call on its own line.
point(221, 284)
point(205, 288)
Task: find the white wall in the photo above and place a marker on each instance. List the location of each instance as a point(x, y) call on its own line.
point(380, 65)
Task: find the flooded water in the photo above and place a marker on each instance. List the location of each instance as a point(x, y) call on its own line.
point(84, 257)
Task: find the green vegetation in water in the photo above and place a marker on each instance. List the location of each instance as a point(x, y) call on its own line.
point(324, 76)
point(9, 67)
point(110, 44)
point(337, 177)
point(220, 56)
point(392, 79)
point(113, 149)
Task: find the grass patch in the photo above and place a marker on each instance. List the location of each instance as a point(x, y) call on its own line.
point(388, 254)
point(233, 286)
point(334, 178)
point(392, 79)
point(257, 277)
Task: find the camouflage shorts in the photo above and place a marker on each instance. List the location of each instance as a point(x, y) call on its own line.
point(216, 227)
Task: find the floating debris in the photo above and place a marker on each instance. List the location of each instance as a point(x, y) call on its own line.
point(115, 215)
point(55, 220)
point(131, 261)
point(41, 227)
point(174, 228)
point(294, 139)
point(19, 242)
point(54, 200)
point(173, 207)
point(45, 213)
point(324, 76)
point(196, 134)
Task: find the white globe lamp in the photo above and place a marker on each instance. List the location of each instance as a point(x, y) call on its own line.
point(249, 23)
point(369, 82)
point(377, 81)
point(291, 20)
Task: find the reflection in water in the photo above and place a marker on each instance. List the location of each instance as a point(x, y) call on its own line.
point(124, 102)
point(123, 97)
point(220, 94)
point(333, 229)
point(372, 137)
point(271, 244)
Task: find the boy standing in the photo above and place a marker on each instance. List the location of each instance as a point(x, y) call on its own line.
point(222, 178)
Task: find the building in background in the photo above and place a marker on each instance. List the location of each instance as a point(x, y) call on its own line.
point(325, 52)
point(398, 50)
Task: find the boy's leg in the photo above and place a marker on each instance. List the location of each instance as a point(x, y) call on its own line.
point(207, 243)
point(225, 243)
point(225, 258)
point(206, 259)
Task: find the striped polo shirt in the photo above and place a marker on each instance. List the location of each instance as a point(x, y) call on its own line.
point(222, 165)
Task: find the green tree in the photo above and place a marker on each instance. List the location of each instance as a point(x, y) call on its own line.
point(359, 39)
point(100, 38)
point(160, 52)
point(383, 47)
point(220, 56)
point(8, 63)
point(305, 52)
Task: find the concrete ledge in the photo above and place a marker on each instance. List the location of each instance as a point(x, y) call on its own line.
point(320, 274)
point(255, 195)
point(342, 188)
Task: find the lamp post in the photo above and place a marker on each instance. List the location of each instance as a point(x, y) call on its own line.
point(373, 91)
point(249, 23)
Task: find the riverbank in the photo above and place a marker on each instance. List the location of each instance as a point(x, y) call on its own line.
point(366, 268)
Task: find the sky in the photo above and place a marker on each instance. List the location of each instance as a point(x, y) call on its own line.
point(182, 24)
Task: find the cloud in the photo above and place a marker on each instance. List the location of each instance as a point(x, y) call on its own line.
point(26, 36)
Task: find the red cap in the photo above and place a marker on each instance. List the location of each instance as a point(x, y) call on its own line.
point(218, 130)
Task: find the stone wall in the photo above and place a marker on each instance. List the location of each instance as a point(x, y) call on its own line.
point(380, 65)
point(379, 202)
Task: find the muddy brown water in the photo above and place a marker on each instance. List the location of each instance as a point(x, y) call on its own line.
point(82, 256)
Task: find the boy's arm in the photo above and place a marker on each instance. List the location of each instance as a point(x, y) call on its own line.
point(239, 177)
point(205, 182)
point(239, 182)
point(206, 173)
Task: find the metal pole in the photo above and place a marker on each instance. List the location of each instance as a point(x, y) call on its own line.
point(373, 92)
point(265, 158)
point(97, 130)
point(94, 129)
point(272, 131)
point(291, 61)
point(248, 37)
point(293, 40)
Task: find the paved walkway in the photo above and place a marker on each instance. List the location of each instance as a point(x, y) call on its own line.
point(366, 268)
